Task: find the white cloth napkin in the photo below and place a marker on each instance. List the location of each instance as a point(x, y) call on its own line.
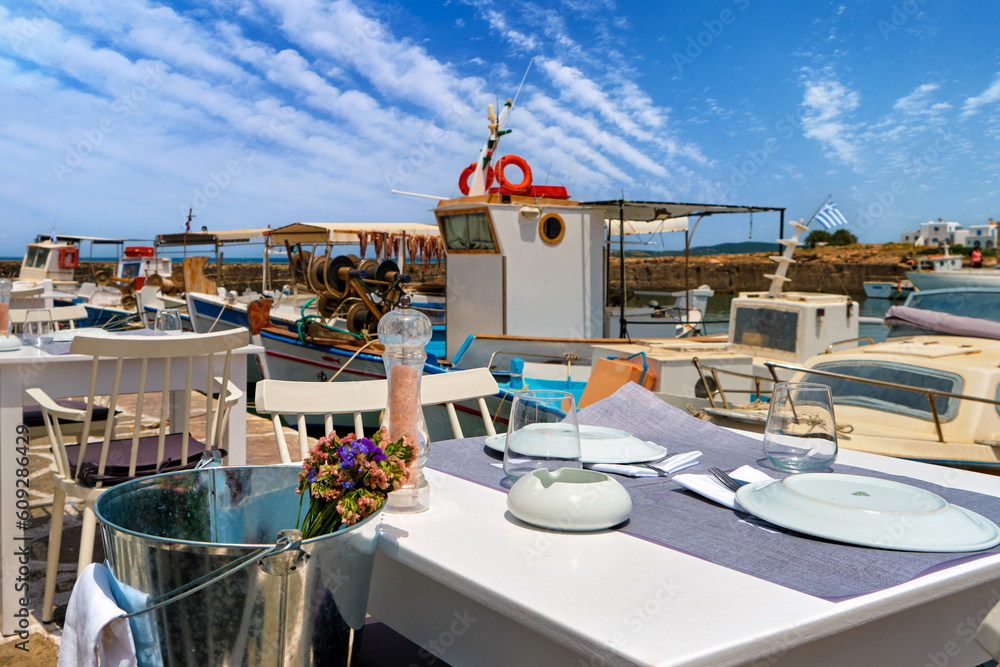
point(671, 465)
point(711, 488)
point(94, 632)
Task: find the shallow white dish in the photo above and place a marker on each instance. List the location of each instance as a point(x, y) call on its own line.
point(602, 445)
point(66, 335)
point(869, 512)
point(569, 499)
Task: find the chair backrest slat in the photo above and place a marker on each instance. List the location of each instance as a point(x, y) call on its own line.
point(302, 399)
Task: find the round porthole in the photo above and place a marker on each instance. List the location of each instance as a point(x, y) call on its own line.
point(552, 228)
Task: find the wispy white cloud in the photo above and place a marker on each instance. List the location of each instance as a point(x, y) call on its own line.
point(986, 98)
point(827, 104)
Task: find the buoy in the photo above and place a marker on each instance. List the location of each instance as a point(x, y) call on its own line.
point(463, 180)
point(518, 161)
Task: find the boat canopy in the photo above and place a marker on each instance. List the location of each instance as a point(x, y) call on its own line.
point(344, 232)
point(646, 226)
point(70, 238)
point(929, 320)
point(219, 238)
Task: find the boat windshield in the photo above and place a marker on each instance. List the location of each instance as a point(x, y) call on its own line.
point(37, 257)
point(890, 399)
point(768, 328)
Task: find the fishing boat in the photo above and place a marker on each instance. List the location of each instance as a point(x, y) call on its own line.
point(888, 289)
point(111, 300)
point(526, 291)
point(945, 271)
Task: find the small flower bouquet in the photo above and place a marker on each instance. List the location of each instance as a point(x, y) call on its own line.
point(348, 479)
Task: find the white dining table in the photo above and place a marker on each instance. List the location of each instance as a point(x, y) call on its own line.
point(472, 585)
point(62, 376)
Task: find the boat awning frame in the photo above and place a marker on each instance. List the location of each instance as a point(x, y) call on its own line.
point(216, 239)
point(648, 211)
point(75, 238)
point(343, 232)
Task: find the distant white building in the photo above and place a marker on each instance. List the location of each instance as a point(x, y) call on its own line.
point(942, 233)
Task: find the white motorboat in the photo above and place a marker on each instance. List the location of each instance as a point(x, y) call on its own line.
point(931, 392)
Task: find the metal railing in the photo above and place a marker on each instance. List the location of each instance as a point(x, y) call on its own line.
point(931, 394)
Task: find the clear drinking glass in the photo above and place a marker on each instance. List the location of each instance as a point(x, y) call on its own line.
point(37, 323)
point(168, 320)
point(801, 435)
point(543, 432)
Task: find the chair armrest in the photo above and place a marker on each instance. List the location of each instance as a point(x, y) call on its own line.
point(233, 393)
point(49, 406)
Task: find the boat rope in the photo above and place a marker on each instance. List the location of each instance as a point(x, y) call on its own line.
point(341, 369)
point(217, 317)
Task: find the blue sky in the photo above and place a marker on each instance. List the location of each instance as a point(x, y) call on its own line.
point(119, 115)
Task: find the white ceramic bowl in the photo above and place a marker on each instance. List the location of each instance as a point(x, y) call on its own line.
point(569, 499)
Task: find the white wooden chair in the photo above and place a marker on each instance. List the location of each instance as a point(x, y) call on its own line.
point(298, 400)
point(84, 470)
point(57, 315)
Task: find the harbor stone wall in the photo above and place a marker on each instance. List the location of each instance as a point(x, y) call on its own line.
point(657, 275)
point(646, 274)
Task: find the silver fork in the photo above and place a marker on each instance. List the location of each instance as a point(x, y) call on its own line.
point(726, 480)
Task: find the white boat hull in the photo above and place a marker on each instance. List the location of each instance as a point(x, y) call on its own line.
point(951, 279)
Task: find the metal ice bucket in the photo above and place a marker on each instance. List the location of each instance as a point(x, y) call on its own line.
point(196, 541)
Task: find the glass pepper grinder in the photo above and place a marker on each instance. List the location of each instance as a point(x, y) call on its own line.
point(405, 332)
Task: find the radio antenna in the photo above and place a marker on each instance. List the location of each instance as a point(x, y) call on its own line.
point(523, 78)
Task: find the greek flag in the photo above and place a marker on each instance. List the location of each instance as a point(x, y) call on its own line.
point(830, 216)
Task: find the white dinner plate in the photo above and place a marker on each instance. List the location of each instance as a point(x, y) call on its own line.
point(868, 511)
point(66, 335)
point(602, 445)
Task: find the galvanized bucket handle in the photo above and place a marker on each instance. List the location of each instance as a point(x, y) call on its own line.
point(288, 540)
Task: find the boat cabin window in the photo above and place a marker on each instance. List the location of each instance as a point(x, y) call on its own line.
point(37, 257)
point(551, 228)
point(468, 231)
point(766, 328)
point(891, 399)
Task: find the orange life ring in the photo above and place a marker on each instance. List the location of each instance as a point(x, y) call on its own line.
point(69, 257)
point(463, 180)
point(521, 164)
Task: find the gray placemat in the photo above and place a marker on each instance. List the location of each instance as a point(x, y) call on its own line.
point(666, 514)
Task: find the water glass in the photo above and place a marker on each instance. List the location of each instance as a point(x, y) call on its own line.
point(168, 320)
point(37, 323)
point(543, 432)
point(801, 435)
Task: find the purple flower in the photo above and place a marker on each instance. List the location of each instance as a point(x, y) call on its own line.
point(312, 476)
point(346, 455)
point(366, 445)
point(347, 484)
point(379, 456)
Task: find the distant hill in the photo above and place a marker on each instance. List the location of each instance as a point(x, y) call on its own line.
point(720, 249)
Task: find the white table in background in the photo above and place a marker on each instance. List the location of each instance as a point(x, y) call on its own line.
point(62, 376)
point(475, 587)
